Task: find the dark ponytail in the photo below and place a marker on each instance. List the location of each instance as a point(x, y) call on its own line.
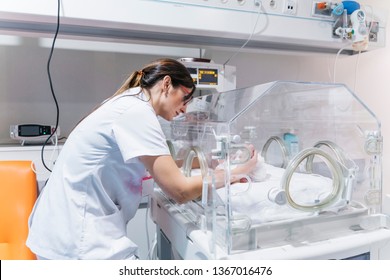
point(156, 71)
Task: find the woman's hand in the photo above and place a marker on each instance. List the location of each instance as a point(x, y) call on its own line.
point(244, 169)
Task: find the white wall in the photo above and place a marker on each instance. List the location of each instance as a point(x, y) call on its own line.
point(82, 79)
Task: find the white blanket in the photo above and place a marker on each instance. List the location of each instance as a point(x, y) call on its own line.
point(253, 199)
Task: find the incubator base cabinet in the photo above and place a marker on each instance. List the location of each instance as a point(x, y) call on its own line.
point(177, 238)
point(316, 192)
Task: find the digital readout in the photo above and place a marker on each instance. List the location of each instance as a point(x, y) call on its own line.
point(207, 76)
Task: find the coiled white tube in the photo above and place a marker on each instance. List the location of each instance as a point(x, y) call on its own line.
point(337, 173)
point(189, 158)
point(339, 153)
point(282, 145)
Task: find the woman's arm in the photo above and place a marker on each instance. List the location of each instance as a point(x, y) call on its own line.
point(181, 188)
point(171, 180)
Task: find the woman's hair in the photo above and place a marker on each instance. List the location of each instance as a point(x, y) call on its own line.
point(156, 71)
point(153, 73)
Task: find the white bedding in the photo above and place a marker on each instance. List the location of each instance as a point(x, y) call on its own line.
point(252, 199)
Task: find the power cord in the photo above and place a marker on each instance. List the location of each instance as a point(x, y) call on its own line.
point(336, 59)
point(54, 131)
point(54, 153)
point(250, 37)
point(152, 255)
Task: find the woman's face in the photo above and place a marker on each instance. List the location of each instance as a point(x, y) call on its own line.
point(175, 101)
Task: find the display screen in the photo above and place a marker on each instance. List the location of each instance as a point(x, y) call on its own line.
point(31, 130)
point(207, 76)
point(28, 130)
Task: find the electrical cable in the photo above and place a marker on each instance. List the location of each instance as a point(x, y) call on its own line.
point(356, 66)
point(334, 65)
point(247, 41)
point(54, 131)
point(55, 151)
point(151, 245)
point(152, 254)
point(146, 225)
point(358, 55)
point(337, 57)
point(328, 63)
point(356, 70)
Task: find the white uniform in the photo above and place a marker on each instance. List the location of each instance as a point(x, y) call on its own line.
point(95, 186)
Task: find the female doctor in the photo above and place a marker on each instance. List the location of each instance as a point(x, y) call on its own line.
point(95, 186)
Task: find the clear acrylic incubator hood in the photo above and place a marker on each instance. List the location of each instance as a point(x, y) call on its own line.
point(319, 170)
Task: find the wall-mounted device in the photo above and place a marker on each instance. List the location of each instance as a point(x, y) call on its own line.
point(210, 77)
point(32, 133)
point(350, 23)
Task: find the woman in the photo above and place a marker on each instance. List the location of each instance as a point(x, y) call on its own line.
point(95, 186)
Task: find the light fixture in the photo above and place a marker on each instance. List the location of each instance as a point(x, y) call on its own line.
point(10, 40)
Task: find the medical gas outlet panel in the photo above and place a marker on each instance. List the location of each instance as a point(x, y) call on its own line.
point(352, 25)
point(298, 8)
point(285, 6)
point(275, 25)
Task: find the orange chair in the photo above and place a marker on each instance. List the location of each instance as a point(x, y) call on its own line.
point(18, 193)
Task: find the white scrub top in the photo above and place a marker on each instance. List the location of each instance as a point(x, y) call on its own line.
point(95, 186)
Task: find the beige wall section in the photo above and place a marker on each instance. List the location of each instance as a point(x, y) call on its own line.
point(81, 79)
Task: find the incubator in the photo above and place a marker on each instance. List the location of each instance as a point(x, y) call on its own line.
point(316, 192)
